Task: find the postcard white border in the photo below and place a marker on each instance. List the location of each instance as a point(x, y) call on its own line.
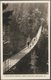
point(27, 76)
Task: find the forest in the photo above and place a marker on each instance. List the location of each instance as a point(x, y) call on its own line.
point(20, 22)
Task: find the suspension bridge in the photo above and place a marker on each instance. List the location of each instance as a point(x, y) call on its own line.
point(10, 62)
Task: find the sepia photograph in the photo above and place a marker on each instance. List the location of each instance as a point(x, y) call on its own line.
point(25, 39)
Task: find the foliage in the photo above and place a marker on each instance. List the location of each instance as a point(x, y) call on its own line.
point(25, 22)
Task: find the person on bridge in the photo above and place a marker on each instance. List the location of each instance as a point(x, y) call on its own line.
point(28, 41)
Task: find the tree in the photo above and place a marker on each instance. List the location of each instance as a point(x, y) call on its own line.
point(6, 15)
point(6, 38)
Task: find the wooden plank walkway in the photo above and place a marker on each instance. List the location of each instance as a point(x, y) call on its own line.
point(10, 62)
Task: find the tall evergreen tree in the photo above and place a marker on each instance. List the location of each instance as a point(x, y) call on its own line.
point(6, 38)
